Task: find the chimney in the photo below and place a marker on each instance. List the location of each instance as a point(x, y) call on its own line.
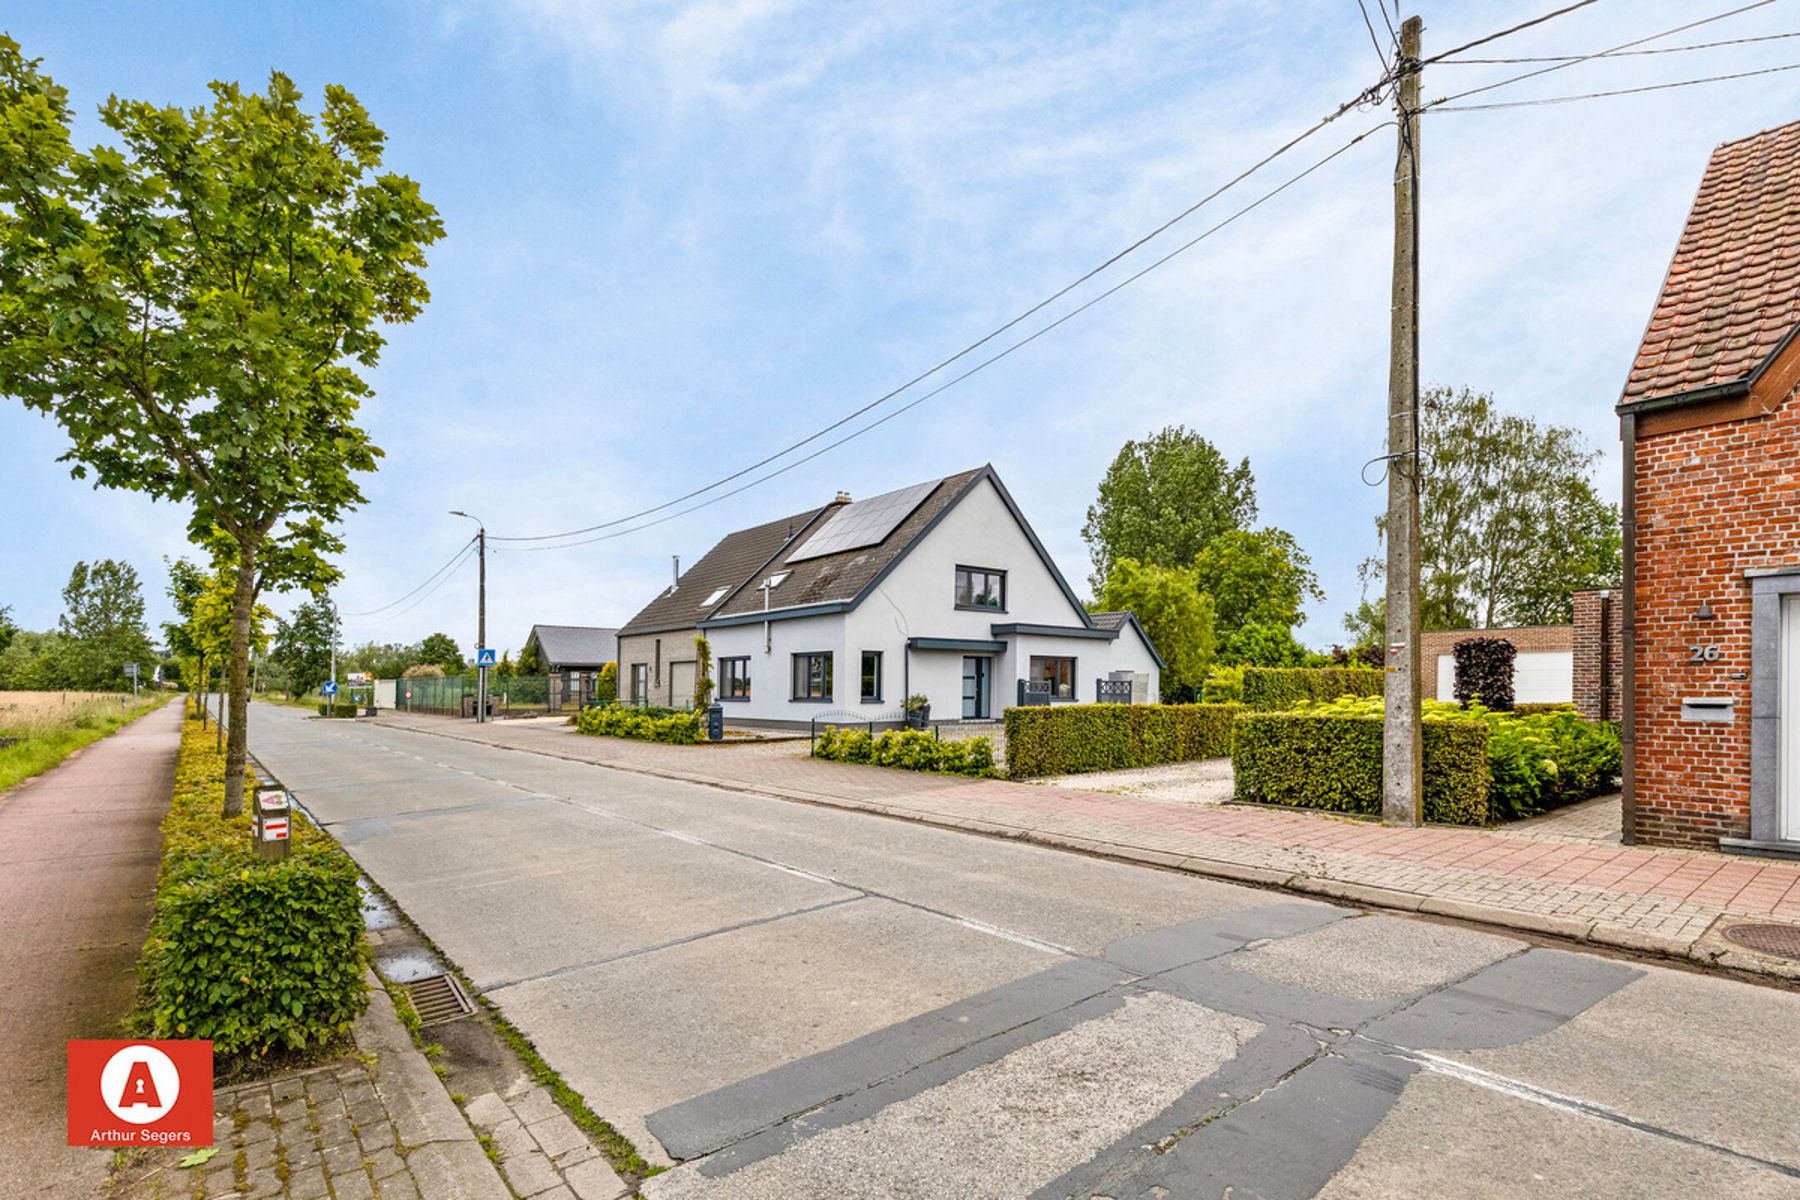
point(677, 561)
point(842, 498)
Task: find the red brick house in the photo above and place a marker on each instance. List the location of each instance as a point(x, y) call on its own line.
point(1711, 430)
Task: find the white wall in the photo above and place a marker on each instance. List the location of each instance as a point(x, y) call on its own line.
point(1539, 677)
point(771, 666)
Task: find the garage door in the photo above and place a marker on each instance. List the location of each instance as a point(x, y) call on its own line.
point(1539, 677)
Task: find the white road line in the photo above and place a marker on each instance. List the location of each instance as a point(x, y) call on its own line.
point(1518, 1089)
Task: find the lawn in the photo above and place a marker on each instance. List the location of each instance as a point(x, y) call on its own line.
point(53, 725)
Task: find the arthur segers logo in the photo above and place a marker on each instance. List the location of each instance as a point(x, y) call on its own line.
point(140, 1093)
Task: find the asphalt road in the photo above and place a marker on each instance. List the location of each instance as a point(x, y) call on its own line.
point(801, 1002)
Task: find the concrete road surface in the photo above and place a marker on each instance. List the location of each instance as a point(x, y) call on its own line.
point(801, 1002)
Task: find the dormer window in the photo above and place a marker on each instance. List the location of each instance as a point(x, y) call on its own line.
point(776, 580)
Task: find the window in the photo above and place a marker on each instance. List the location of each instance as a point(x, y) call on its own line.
point(980, 588)
point(640, 682)
point(812, 676)
point(776, 580)
point(1058, 673)
point(871, 676)
point(716, 595)
point(734, 678)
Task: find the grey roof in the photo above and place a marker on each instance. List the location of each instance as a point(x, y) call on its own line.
point(1119, 620)
point(736, 560)
point(575, 645)
point(1113, 621)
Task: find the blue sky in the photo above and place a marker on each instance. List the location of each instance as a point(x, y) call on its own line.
point(681, 235)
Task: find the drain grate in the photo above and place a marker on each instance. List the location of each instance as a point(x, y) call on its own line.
point(438, 998)
point(1780, 940)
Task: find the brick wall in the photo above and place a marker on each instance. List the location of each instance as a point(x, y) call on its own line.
point(656, 651)
point(1599, 656)
point(1713, 502)
point(1525, 639)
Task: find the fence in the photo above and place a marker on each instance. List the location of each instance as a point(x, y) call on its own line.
point(508, 695)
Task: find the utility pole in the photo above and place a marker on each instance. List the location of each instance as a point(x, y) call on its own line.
point(480, 614)
point(1402, 768)
point(331, 700)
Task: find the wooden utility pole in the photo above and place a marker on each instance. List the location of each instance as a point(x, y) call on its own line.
point(1402, 771)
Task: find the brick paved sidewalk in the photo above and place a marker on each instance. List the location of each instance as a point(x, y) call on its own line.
point(1670, 902)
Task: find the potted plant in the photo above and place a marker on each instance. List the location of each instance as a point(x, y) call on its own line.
point(918, 711)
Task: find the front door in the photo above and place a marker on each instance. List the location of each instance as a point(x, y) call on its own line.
point(975, 688)
point(1789, 752)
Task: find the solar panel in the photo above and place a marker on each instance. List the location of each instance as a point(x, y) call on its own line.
point(863, 523)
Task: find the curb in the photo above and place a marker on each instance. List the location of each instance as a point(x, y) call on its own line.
point(1685, 951)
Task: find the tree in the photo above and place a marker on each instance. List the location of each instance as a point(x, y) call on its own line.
point(441, 648)
point(505, 667)
point(7, 628)
point(1165, 498)
point(1510, 522)
point(302, 646)
point(1256, 578)
point(102, 625)
point(195, 304)
point(1262, 646)
point(32, 662)
point(1179, 619)
point(530, 661)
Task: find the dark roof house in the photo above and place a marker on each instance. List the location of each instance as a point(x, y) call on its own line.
point(581, 646)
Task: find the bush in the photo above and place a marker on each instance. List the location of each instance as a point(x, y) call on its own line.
point(1318, 759)
point(1069, 739)
point(1224, 685)
point(1484, 672)
point(606, 684)
point(341, 709)
point(907, 749)
point(258, 956)
point(674, 726)
point(1275, 689)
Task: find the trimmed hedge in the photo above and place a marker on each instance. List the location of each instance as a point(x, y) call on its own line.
point(1276, 689)
point(907, 749)
point(674, 726)
point(1317, 760)
point(1075, 738)
point(259, 956)
point(340, 711)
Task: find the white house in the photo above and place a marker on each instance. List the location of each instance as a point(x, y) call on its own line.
point(940, 590)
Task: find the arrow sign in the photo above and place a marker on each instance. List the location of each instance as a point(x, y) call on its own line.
point(328, 688)
point(484, 658)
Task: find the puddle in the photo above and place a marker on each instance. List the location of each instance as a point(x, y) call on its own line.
point(377, 913)
point(406, 964)
point(400, 956)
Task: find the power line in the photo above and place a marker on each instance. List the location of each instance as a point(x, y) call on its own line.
point(1570, 58)
point(984, 364)
point(1494, 37)
point(463, 556)
point(1631, 91)
point(372, 611)
point(1373, 39)
point(1563, 66)
point(1367, 95)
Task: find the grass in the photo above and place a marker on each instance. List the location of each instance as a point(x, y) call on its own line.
point(56, 724)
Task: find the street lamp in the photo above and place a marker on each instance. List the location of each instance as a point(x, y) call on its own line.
point(481, 615)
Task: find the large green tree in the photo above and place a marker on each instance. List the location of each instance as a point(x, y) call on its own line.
point(1510, 523)
point(102, 626)
point(441, 648)
point(1256, 577)
point(196, 304)
point(1163, 499)
point(301, 648)
point(1179, 619)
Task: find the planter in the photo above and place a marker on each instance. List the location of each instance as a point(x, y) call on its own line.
point(918, 718)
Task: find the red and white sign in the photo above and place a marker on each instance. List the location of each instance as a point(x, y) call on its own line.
point(275, 829)
point(124, 1093)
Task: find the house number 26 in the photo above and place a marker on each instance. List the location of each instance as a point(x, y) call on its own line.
point(1703, 654)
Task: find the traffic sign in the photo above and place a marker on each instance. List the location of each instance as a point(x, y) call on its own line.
point(484, 658)
point(131, 670)
point(328, 688)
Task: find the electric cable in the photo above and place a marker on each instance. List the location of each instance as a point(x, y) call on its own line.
point(1630, 91)
point(369, 612)
point(1549, 58)
point(463, 556)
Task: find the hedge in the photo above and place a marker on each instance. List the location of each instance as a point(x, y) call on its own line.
point(1070, 739)
point(1319, 760)
point(257, 955)
point(907, 749)
point(676, 726)
point(340, 711)
point(1282, 688)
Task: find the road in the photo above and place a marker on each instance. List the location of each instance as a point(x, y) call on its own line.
point(796, 1001)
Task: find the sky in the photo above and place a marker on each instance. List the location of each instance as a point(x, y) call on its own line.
point(682, 235)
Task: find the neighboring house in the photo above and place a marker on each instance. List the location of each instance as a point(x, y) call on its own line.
point(1711, 432)
point(572, 656)
point(940, 590)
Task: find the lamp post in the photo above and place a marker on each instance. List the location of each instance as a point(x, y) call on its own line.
point(480, 615)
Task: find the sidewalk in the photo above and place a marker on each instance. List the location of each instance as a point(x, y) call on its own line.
point(378, 1123)
point(1528, 877)
point(79, 846)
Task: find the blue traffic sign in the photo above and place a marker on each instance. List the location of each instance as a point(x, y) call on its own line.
point(484, 658)
point(328, 688)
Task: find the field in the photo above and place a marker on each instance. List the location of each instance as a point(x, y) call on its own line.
point(52, 725)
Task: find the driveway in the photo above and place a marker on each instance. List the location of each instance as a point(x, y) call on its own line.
point(801, 1001)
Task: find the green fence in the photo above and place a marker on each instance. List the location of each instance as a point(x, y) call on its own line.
point(508, 695)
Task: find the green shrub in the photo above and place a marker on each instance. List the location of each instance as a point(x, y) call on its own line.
point(606, 684)
point(1317, 759)
point(1276, 689)
point(1224, 685)
point(259, 956)
point(1068, 739)
point(343, 708)
point(906, 749)
point(675, 726)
